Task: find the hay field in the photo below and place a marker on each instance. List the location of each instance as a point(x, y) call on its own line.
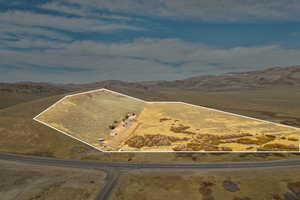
point(181, 127)
point(88, 116)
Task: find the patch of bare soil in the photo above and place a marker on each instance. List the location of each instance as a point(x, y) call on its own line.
point(164, 119)
point(181, 129)
point(194, 146)
point(209, 142)
point(206, 191)
point(152, 140)
point(222, 137)
point(258, 140)
point(205, 142)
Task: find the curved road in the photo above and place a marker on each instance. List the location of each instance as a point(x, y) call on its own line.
point(113, 169)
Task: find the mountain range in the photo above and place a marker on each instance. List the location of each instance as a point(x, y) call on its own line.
point(272, 77)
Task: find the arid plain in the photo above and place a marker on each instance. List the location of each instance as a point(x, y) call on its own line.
point(163, 126)
point(20, 134)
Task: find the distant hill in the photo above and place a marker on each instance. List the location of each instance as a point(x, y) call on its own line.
point(32, 87)
point(272, 77)
point(269, 78)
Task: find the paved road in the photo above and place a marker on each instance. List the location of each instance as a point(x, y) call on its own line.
point(114, 168)
point(125, 165)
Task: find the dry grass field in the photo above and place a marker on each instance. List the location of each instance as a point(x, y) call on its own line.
point(31, 182)
point(165, 126)
point(88, 116)
point(22, 135)
point(259, 184)
point(182, 127)
point(280, 105)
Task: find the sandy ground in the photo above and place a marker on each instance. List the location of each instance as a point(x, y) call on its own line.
point(31, 182)
point(259, 184)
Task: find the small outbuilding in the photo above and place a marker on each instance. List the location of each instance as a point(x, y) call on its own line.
point(132, 117)
point(113, 134)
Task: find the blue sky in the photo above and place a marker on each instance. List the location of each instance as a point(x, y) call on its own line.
point(84, 41)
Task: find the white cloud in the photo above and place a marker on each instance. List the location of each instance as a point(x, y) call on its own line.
point(28, 31)
point(64, 23)
point(235, 10)
point(56, 6)
point(141, 59)
point(85, 12)
point(212, 10)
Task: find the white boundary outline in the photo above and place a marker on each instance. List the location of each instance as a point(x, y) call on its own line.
point(107, 90)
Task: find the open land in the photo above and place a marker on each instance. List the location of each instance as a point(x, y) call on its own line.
point(231, 184)
point(27, 182)
point(88, 116)
point(276, 180)
point(182, 127)
point(20, 134)
point(163, 126)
